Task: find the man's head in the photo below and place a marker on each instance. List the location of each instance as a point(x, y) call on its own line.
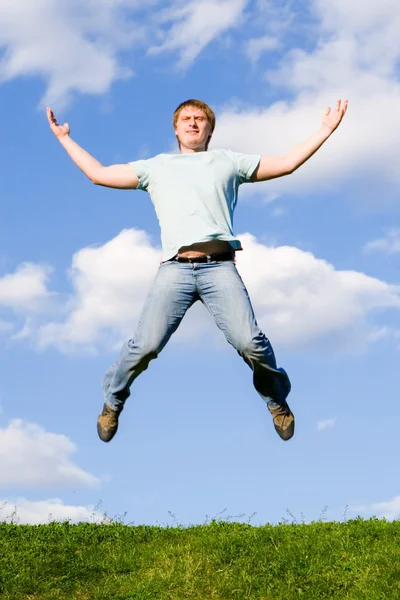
point(194, 123)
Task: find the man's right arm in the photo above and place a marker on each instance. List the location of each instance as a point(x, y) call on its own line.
point(116, 176)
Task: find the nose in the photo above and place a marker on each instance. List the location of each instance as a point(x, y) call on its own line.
point(192, 122)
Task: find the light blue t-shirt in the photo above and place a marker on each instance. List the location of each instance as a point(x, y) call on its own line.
point(194, 195)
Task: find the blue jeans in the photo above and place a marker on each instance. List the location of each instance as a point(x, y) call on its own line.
point(220, 288)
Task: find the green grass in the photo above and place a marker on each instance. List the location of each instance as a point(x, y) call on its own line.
point(358, 559)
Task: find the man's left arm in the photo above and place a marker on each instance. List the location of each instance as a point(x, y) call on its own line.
point(271, 167)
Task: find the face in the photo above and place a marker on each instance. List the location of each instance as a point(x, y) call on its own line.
point(192, 129)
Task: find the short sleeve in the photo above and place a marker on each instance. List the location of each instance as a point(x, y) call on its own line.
point(246, 164)
point(142, 170)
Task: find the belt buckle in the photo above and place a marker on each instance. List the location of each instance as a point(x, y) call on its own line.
point(208, 258)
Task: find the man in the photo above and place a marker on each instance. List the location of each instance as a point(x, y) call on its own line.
point(194, 194)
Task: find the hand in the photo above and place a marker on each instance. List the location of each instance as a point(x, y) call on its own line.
point(59, 130)
point(332, 118)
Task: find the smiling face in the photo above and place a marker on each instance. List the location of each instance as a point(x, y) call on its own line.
point(193, 130)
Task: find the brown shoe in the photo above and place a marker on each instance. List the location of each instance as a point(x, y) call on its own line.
point(107, 423)
point(283, 421)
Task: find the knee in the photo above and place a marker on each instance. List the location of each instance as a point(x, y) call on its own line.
point(253, 346)
point(245, 346)
point(144, 351)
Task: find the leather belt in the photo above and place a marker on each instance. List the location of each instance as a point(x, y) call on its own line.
point(219, 256)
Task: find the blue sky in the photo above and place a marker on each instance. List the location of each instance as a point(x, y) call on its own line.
point(321, 261)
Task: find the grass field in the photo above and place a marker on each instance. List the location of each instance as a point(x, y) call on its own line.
point(358, 559)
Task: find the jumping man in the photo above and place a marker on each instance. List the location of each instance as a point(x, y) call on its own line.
point(194, 194)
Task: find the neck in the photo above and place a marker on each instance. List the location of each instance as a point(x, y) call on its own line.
point(184, 150)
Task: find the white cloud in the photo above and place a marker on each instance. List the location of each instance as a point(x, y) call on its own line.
point(195, 23)
point(26, 289)
point(360, 18)
point(326, 424)
point(29, 512)
point(78, 47)
point(72, 46)
point(298, 298)
point(110, 285)
point(389, 510)
point(257, 46)
point(32, 457)
point(390, 244)
point(355, 57)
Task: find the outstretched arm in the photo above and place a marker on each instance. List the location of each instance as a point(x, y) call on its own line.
point(270, 167)
point(115, 176)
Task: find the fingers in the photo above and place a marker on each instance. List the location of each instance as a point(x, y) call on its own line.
point(333, 118)
point(342, 107)
point(51, 117)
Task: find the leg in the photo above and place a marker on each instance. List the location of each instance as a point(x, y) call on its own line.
point(223, 292)
point(170, 297)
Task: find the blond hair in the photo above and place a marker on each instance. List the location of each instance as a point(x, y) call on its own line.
point(201, 106)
